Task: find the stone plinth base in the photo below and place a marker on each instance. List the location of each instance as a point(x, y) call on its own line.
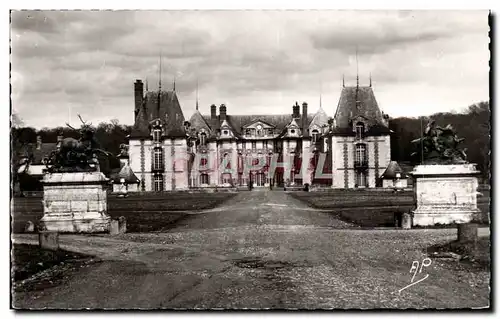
point(75, 202)
point(445, 194)
point(429, 217)
point(467, 233)
point(48, 240)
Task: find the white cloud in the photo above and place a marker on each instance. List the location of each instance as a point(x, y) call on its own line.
point(254, 61)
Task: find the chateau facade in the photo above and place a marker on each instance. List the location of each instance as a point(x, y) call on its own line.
point(168, 152)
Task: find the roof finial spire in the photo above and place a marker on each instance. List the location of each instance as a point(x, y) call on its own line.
point(196, 94)
point(174, 83)
point(146, 84)
point(343, 82)
point(159, 75)
point(159, 86)
point(370, 79)
point(357, 70)
point(320, 100)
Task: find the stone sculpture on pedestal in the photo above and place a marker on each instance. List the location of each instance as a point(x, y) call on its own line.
point(74, 189)
point(445, 183)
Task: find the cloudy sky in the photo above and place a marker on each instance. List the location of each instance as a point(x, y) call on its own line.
point(69, 63)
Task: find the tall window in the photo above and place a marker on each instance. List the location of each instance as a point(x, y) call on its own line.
point(265, 144)
point(158, 159)
point(204, 163)
point(248, 132)
point(203, 139)
point(361, 179)
point(226, 178)
point(254, 145)
point(204, 180)
point(278, 146)
point(315, 136)
point(361, 153)
point(360, 130)
point(158, 179)
point(226, 162)
point(156, 135)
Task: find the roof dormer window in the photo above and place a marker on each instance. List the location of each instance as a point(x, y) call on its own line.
point(156, 135)
point(360, 130)
point(315, 136)
point(156, 130)
point(203, 139)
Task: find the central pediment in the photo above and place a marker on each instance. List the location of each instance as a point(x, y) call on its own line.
point(259, 125)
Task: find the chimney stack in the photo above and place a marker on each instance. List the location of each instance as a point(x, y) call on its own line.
point(213, 112)
point(38, 142)
point(296, 111)
point(138, 95)
point(222, 112)
point(304, 119)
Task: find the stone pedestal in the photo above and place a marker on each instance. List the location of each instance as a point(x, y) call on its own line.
point(445, 194)
point(48, 240)
point(75, 202)
point(406, 221)
point(467, 233)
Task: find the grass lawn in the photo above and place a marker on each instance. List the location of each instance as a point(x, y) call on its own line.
point(144, 212)
point(372, 208)
point(28, 260)
point(475, 253)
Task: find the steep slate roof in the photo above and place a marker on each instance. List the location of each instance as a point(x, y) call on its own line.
point(198, 121)
point(320, 118)
point(237, 122)
point(368, 107)
point(168, 111)
point(392, 169)
point(125, 173)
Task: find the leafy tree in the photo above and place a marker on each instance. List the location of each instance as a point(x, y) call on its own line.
point(473, 124)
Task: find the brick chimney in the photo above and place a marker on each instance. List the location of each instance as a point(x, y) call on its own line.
point(138, 95)
point(222, 112)
point(213, 112)
point(304, 120)
point(38, 142)
point(296, 111)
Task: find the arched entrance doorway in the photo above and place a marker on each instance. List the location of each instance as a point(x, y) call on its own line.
point(260, 179)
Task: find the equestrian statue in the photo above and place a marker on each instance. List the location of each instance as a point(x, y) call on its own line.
point(72, 155)
point(440, 145)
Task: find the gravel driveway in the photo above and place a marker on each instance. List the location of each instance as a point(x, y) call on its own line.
point(263, 249)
